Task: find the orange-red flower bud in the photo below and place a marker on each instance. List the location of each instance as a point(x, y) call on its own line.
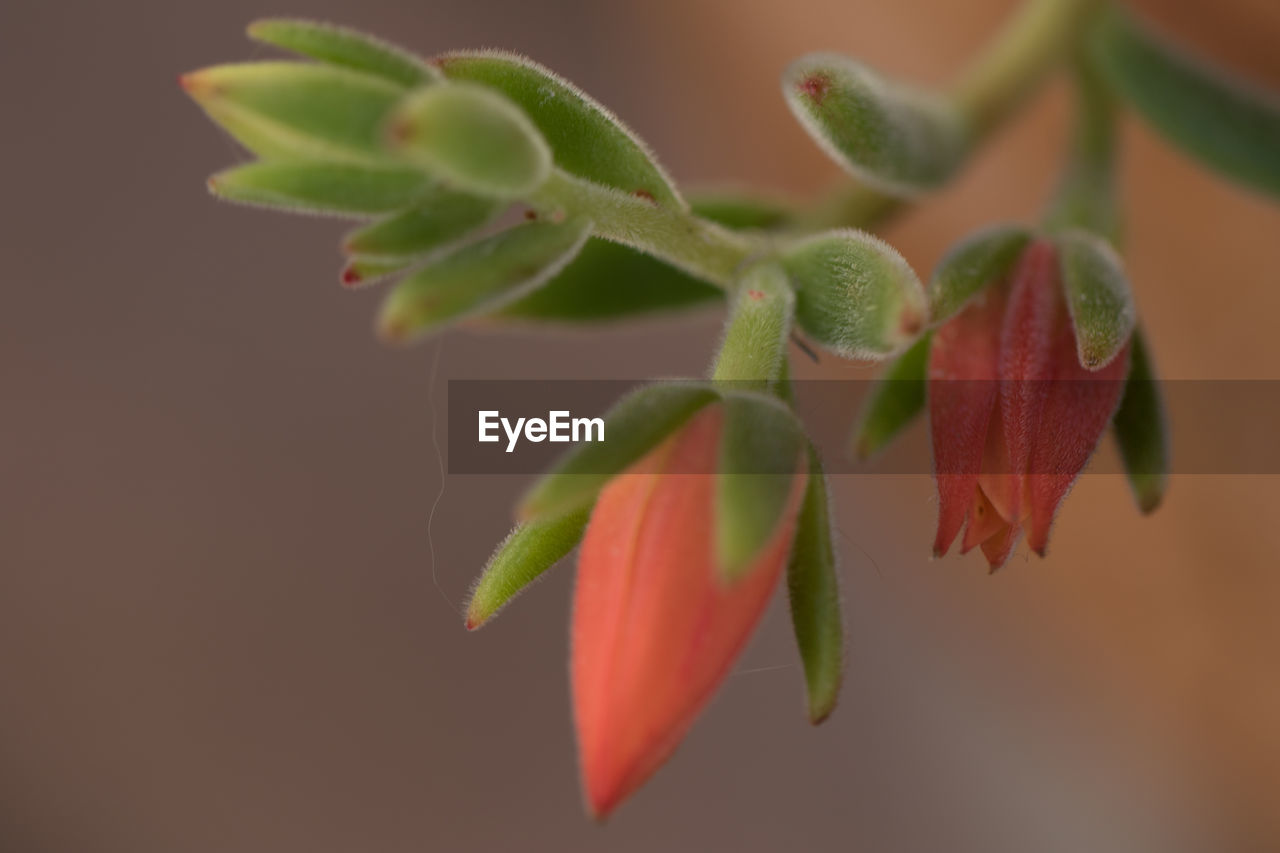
point(655, 624)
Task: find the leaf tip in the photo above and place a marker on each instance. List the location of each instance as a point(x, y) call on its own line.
point(351, 276)
point(815, 86)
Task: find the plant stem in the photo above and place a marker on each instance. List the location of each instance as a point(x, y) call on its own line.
point(696, 245)
point(753, 353)
point(1086, 195)
point(1019, 58)
point(1036, 40)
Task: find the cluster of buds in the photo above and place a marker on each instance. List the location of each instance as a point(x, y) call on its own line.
point(493, 189)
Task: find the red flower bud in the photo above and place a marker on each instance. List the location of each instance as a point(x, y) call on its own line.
point(655, 624)
point(1014, 416)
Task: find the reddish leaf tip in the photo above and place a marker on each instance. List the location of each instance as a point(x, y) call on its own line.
point(196, 84)
point(645, 195)
point(815, 86)
point(351, 276)
point(400, 131)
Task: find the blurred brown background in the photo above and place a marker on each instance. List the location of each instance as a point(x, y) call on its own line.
point(224, 624)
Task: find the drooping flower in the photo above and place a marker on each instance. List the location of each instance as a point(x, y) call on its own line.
point(656, 625)
point(1023, 380)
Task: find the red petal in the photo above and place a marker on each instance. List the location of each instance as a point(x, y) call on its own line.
point(1078, 406)
point(962, 396)
point(654, 628)
point(1036, 310)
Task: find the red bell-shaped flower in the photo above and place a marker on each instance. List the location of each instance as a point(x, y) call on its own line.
point(656, 624)
point(1014, 411)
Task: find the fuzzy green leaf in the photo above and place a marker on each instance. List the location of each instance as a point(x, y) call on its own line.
point(758, 329)
point(441, 217)
point(343, 189)
point(1098, 295)
point(479, 278)
point(526, 553)
point(855, 295)
point(761, 449)
point(586, 139)
point(341, 46)
point(740, 210)
point(978, 261)
point(297, 110)
point(472, 138)
point(1227, 124)
point(610, 281)
point(1142, 430)
point(895, 401)
point(638, 423)
point(900, 140)
point(814, 593)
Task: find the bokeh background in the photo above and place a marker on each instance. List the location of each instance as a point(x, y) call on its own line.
point(228, 617)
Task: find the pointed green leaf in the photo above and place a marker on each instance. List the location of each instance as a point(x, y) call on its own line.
point(901, 140)
point(610, 281)
point(638, 423)
point(586, 139)
point(895, 400)
point(480, 277)
point(341, 46)
point(814, 592)
point(1226, 123)
point(441, 217)
point(364, 270)
point(529, 550)
point(976, 262)
point(1142, 429)
point(473, 138)
point(344, 189)
point(740, 210)
point(855, 295)
point(1098, 295)
point(761, 450)
point(297, 110)
point(758, 329)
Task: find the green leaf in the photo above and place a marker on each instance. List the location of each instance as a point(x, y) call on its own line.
point(472, 138)
point(586, 139)
point(1098, 296)
point(610, 281)
point(1142, 430)
point(341, 46)
point(297, 110)
point(1226, 123)
point(364, 270)
point(344, 189)
point(761, 450)
point(479, 278)
point(637, 424)
point(855, 295)
point(526, 553)
point(740, 210)
point(442, 216)
point(758, 329)
point(895, 400)
point(814, 592)
point(978, 261)
point(900, 140)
